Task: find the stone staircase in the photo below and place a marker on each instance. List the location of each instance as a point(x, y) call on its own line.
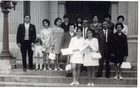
point(16, 77)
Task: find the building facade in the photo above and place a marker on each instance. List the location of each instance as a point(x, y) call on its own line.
point(40, 10)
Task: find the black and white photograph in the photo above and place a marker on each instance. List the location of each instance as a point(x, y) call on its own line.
point(66, 43)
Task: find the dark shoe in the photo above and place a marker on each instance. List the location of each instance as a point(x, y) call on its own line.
point(31, 68)
point(98, 76)
point(107, 76)
point(67, 75)
point(70, 74)
point(24, 69)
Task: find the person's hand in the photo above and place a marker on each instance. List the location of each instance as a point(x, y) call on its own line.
point(19, 45)
point(32, 44)
point(75, 50)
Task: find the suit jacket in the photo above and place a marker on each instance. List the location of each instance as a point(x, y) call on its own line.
point(65, 27)
point(21, 33)
point(66, 39)
point(102, 41)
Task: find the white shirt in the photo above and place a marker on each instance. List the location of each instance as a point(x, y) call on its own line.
point(106, 33)
point(26, 31)
point(71, 33)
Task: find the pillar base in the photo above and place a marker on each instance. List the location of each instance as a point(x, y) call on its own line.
point(7, 61)
point(6, 55)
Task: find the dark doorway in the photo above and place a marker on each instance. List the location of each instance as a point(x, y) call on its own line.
point(87, 9)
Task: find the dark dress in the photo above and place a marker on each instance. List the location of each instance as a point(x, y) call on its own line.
point(120, 47)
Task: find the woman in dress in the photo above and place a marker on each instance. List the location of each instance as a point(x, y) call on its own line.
point(58, 33)
point(76, 59)
point(119, 49)
point(95, 25)
point(46, 35)
point(120, 19)
point(89, 62)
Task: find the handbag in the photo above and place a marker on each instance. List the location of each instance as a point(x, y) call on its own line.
point(52, 56)
point(126, 65)
point(68, 67)
point(96, 55)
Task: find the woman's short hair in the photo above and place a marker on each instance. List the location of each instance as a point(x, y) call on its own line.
point(120, 16)
point(47, 21)
point(79, 28)
point(57, 20)
point(72, 24)
point(119, 24)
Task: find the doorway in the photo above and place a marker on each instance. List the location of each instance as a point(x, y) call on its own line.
point(87, 9)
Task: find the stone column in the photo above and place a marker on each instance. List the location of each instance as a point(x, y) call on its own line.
point(133, 30)
point(61, 9)
point(39, 11)
point(123, 10)
point(5, 50)
point(53, 11)
point(114, 11)
point(133, 18)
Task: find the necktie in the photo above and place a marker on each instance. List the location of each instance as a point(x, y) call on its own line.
point(105, 36)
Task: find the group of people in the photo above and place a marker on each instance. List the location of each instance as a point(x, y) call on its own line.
point(106, 38)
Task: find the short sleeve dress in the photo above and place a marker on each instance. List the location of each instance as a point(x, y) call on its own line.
point(76, 43)
point(88, 60)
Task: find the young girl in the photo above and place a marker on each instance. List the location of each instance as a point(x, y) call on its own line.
point(89, 62)
point(38, 49)
point(76, 59)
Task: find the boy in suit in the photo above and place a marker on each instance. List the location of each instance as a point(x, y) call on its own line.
point(26, 36)
point(65, 24)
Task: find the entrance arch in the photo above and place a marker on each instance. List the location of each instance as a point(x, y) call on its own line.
point(87, 9)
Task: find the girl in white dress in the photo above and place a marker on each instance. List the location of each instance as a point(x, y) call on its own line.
point(46, 35)
point(89, 62)
point(76, 59)
point(38, 55)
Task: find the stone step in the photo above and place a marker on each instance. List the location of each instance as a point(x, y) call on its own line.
point(62, 65)
point(26, 84)
point(62, 79)
point(125, 73)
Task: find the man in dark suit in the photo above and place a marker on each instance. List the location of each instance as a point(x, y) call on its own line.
point(85, 28)
point(66, 23)
point(104, 38)
point(26, 36)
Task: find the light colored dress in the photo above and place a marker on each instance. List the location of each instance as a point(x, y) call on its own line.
point(76, 43)
point(124, 30)
point(38, 55)
point(58, 34)
point(46, 36)
point(38, 49)
point(88, 60)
